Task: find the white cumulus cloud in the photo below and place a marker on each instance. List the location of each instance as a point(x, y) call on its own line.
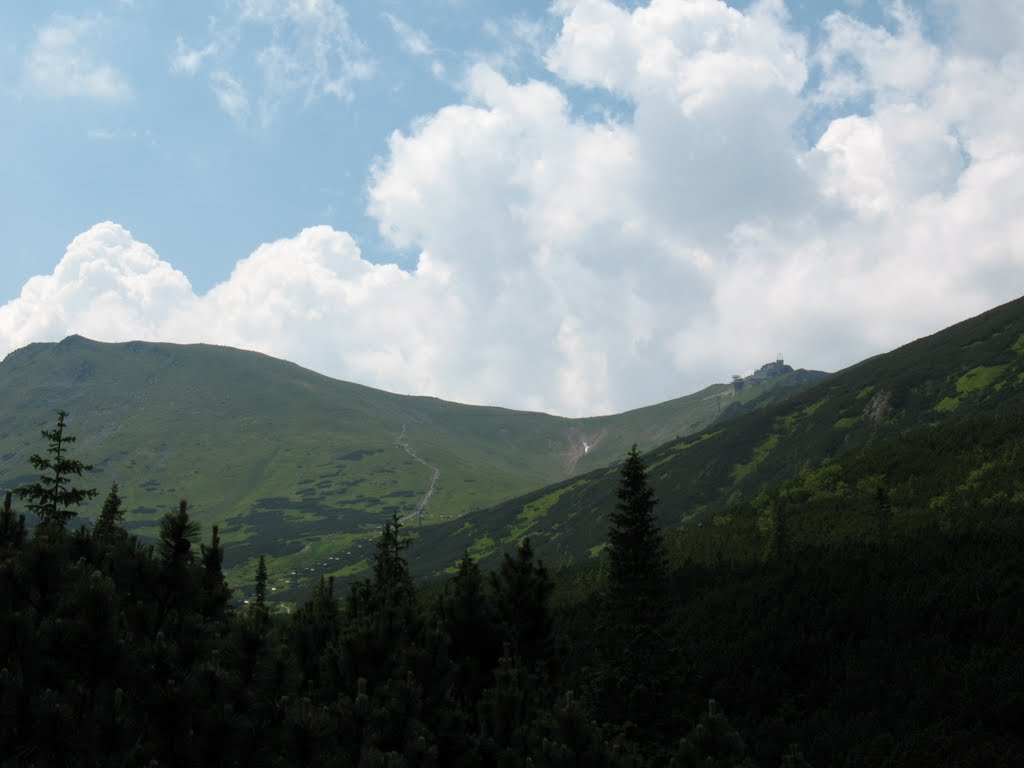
point(582, 264)
point(107, 286)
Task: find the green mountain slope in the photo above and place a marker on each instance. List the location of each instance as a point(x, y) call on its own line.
point(949, 389)
point(295, 465)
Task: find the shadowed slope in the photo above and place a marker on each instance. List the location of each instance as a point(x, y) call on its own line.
point(973, 370)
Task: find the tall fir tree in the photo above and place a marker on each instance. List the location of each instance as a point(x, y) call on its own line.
point(53, 495)
point(391, 578)
point(467, 615)
point(110, 524)
point(178, 532)
point(629, 683)
point(216, 592)
point(311, 630)
point(636, 549)
point(382, 614)
point(259, 602)
point(522, 596)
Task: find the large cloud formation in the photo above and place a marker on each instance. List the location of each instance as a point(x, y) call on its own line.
point(583, 264)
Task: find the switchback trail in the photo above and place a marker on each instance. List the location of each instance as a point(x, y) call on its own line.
point(403, 443)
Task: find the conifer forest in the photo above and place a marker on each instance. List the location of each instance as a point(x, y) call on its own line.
point(829, 576)
point(893, 649)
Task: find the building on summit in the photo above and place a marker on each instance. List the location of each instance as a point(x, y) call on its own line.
point(765, 372)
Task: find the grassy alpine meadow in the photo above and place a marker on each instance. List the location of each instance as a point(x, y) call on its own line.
point(295, 466)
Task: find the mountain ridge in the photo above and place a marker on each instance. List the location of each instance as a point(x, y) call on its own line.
point(973, 369)
point(292, 463)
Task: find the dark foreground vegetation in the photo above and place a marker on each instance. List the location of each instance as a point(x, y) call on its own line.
point(892, 646)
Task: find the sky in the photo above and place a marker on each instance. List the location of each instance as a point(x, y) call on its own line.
point(578, 207)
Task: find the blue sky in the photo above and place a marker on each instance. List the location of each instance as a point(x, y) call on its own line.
point(577, 207)
point(152, 147)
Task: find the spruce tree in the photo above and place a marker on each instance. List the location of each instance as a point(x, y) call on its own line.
point(382, 614)
point(260, 597)
point(53, 496)
point(391, 579)
point(629, 683)
point(636, 550)
point(178, 532)
point(311, 630)
point(467, 614)
point(110, 524)
point(522, 592)
point(216, 592)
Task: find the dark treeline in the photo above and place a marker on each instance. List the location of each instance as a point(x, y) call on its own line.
point(904, 651)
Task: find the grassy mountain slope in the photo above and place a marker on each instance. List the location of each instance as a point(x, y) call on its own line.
point(292, 464)
point(939, 390)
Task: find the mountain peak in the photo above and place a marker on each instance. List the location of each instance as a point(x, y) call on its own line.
point(74, 339)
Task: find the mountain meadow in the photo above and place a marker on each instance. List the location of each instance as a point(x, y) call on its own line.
point(237, 562)
point(298, 467)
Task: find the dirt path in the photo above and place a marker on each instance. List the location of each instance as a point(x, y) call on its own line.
point(403, 443)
